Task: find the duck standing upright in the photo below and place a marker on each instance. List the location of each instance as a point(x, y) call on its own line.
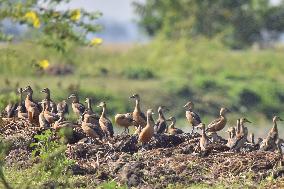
point(32, 107)
point(192, 117)
point(47, 98)
point(161, 123)
point(77, 107)
point(104, 122)
point(138, 116)
point(148, 131)
point(219, 123)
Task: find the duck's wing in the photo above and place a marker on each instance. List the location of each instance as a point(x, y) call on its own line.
point(196, 117)
point(213, 123)
point(160, 126)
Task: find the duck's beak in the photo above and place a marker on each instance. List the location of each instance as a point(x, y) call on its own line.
point(185, 106)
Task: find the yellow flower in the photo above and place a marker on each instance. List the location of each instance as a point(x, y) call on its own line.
point(75, 15)
point(96, 41)
point(32, 17)
point(36, 23)
point(44, 64)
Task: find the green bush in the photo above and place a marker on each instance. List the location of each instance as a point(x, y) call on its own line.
point(138, 73)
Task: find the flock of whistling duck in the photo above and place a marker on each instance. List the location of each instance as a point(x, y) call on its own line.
point(47, 114)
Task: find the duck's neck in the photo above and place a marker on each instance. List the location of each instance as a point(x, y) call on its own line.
point(47, 96)
point(203, 132)
point(21, 97)
point(242, 127)
point(137, 105)
point(30, 96)
point(161, 115)
point(149, 120)
point(89, 105)
point(274, 125)
point(104, 112)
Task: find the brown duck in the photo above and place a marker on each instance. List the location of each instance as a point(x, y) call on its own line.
point(90, 129)
point(192, 117)
point(219, 123)
point(161, 124)
point(104, 122)
point(62, 107)
point(148, 131)
point(94, 118)
point(240, 139)
point(124, 120)
point(269, 143)
point(203, 141)
point(138, 116)
point(49, 116)
point(52, 105)
point(172, 130)
point(21, 114)
point(43, 123)
point(32, 107)
point(77, 107)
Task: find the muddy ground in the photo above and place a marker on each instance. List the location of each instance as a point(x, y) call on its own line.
point(166, 160)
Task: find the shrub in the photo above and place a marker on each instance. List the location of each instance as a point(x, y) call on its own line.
point(138, 73)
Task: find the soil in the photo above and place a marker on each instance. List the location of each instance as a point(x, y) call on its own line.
point(166, 160)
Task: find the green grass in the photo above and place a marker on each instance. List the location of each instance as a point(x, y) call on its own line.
point(249, 82)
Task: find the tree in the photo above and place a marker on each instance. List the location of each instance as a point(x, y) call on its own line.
point(55, 28)
point(240, 23)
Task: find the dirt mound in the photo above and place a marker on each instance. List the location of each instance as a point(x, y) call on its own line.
point(165, 160)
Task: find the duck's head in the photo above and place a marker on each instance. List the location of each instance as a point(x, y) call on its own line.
point(231, 130)
point(102, 104)
point(20, 90)
point(201, 126)
point(45, 90)
point(223, 111)
point(277, 118)
point(162, 108)
point(150, 112)
point(72, 96)
point(88, 100)
point(135, 96)
point(128, 115)
point(244, 120)
point(189, 105)
point(173, 119)
point(28, 89)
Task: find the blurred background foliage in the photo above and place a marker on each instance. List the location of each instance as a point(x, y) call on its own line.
point(215, 53)
point(238, 23)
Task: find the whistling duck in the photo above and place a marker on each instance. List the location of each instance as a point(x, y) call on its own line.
point(87, 125)
point(105, 123)
point(138, 116)
point(89, 111)
point(238, 127)
point(124, 120)
point(77, 107)
point(219, 123)
point(172, 130)
point(148, 131)
point(10, 110)
point(204, 141)
point(32, 107)
point(192, 117)
point(62, 107)
point(21, 103)
point(269, 143)
point(241, 139)
point(62, 122)
point(242, 128)
point(43, 123)
point(47, 97)
point(21, 114)
point(49, 116)
point(232, 136)
point(252, 138)
point(161, 125)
